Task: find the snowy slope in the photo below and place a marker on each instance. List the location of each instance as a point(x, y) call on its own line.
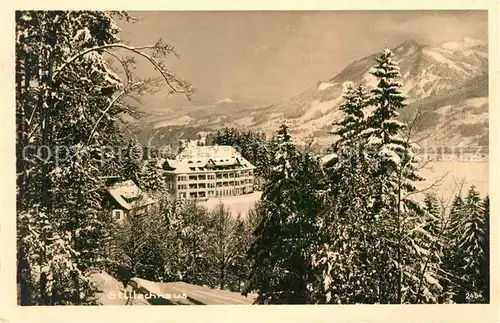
point(448, 81)
point(143, 292)
point(451, 74)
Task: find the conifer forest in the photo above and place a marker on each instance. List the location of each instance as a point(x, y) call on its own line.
point(349, 230)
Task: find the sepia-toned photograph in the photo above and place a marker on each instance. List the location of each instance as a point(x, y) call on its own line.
point(252, 157)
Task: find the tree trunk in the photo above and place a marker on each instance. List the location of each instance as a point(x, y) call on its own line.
point(24, 274)
point(46, 97)
point(222, 276)
point(398, 227)
point(23, 268)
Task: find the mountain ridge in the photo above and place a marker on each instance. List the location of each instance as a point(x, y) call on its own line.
point(434, 77)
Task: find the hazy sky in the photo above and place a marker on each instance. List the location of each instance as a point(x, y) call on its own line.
point(270, 56)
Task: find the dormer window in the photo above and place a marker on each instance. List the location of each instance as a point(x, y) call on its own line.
point(130, 199)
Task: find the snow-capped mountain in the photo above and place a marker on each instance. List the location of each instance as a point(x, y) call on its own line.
point(448, 81)
point(191, 121)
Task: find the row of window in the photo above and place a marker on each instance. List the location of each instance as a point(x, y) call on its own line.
point(212, 185)
point(235, 174)
point(202, 169)
point(183, 178)
point(228, 192)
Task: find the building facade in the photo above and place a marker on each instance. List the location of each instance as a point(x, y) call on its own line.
point(204, 172)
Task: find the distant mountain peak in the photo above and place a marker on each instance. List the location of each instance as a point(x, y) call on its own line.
point(464, 43)
point(448, 81)
point(409, 42)
point(407, 47)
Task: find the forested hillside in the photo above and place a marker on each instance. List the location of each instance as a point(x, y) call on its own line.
point(346, 231)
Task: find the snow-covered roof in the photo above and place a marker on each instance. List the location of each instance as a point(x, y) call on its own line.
point(207, 151)
point(198, 158)
point(127, 190)
point(325, 159)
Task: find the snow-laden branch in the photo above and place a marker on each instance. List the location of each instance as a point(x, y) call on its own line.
point(168, 77)
point(110, 105)
point(443, 227)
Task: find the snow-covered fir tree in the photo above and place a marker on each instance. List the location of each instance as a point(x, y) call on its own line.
point(485, 262)
point(239, 267)
point(69, 96)
point(377, 238)
point(132, 161)
point(394, 175)
point(353, 123)
point(433, 213)
point(287, 231)
point(470, 237)
point(152, 178)
point(341, 275)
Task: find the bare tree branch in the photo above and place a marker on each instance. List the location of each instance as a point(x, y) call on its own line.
point(159, 48)
point(110, 105)
point(430, 187)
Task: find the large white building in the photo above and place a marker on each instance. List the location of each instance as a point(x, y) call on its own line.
point(203, 172)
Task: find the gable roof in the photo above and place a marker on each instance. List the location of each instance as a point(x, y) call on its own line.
point(128, 190)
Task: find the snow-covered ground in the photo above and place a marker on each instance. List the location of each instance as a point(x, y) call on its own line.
point(450, 175)
point(143, 292)
point(237, 204)
point(471, 173)
point(111, 291)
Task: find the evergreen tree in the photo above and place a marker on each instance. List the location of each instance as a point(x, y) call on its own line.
point(471, 241)
point(240, 265)
point(152, 178)
point(455, 213)
point(342, 276)
point(451, 255)
point(467, 256)
point(433, 214)
point(392, 152)
point(194, 234)
point(287, 231)
point(387, 99)
point(133, 161)
point(485, 262)
point(394, 175)
point(349, 128)
point(68, 96)
point(372, 253)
